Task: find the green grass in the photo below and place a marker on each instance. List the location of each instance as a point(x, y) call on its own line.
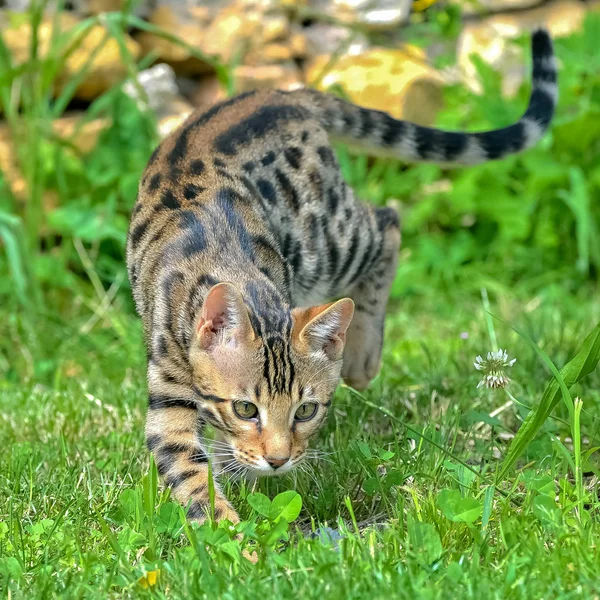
point(422, 476)
point(412, 493)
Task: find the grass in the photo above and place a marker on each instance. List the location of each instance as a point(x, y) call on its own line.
point(412, 493)
point(436, 488)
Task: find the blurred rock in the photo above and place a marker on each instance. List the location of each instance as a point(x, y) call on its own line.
point(376, 15)
point(477, 7)
point(223, 31)
point(396, 81)
point(208, 91)
point(285, 76)
point(322, 38)
point(155, 87)
point(491, 38)
point(81, 135)
point(157, 90)
point(189, 24)
point(85, 8)
point(105, 70)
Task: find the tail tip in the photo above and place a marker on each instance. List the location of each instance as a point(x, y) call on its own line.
point(541, 43)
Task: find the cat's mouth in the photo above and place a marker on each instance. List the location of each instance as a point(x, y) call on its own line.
point(236, 466)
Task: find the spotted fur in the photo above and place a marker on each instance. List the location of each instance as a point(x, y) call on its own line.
point(242, 220)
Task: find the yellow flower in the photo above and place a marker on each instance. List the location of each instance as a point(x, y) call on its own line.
point(149, 579)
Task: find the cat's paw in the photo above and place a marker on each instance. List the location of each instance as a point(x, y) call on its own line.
point(227, 513)
point(359, 370)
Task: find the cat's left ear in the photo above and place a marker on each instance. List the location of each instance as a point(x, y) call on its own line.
point(224, 319)
point(323, 328)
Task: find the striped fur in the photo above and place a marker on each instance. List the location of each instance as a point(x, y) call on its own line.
point(243, 221)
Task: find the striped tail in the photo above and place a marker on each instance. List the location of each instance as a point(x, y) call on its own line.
point(380, 134)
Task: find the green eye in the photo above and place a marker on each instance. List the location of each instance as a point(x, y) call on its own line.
point(245, 410)
point(306, 412)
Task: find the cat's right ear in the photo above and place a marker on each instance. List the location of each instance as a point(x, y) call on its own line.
point(322, 329)
point(224, 320)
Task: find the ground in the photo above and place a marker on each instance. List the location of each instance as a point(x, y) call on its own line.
point(410, 489)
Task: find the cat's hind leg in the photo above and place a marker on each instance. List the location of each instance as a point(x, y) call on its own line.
point(370, 291)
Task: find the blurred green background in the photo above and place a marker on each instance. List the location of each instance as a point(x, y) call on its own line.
point(79, 122)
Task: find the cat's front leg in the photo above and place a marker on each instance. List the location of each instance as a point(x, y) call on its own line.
point(182, 460)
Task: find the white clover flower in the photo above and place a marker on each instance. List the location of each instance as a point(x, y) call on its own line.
point(493, 369)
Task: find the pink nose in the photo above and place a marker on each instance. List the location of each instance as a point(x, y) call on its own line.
point(276, 462)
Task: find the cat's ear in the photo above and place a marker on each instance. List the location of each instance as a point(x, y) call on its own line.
point(224, 319)
point(323, 328)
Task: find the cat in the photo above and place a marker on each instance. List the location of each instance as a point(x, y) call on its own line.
point(242, 233)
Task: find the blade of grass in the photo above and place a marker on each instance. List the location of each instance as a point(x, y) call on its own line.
point(582, 364)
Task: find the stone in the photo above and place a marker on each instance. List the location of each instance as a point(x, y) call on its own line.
point(158, 85)
point(285, 76)
point(81, 135)
point(490, 38)
point(375, 15)
point(479, 7)
point(398, 82)
point(268, 55)
point(95, 7)
point(190, 26)
point(160, 93)
point(322, 39)
point(207, 92)
point(223, 32)
point(106, 68)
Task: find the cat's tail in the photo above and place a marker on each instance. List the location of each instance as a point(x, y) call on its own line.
point(380, 134)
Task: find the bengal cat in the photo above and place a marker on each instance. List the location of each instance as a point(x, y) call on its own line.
point(242, 229)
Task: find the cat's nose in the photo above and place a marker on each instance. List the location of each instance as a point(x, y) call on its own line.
point(276, 462)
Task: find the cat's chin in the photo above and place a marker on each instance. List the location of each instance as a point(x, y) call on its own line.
point(258, 471)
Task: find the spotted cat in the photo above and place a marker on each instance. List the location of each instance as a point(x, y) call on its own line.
point(242, 229)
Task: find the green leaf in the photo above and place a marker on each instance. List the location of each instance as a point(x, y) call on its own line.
point(458, 509)
point(260, 503)
point(386, 454)
point(365, 450)
point(545, 509)
point(585, 361)
point(286, 505)
point(424, 539)
point(543, 485)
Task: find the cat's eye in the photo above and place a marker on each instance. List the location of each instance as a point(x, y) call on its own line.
point(306, 412)
point(245, 410)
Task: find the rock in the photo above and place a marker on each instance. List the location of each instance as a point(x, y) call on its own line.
point(85, 8)
point(376, 15)
point(268, 55)
point(160, 93)
point(209, 91)
point(223, 32)
point(285, 76)
point(322, 38)
point(106, 68)
point(491, 38)
point(158, 85)
point(478, 7)
point(81, 135)
point(396, 81)
point(189, 25)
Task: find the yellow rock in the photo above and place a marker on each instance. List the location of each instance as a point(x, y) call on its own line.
point(399, 82)
point(490, 39)
point(105, 70)
point(190, 26)
point(285, 76)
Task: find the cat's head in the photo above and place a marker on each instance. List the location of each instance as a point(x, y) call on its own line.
point(265, 378)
